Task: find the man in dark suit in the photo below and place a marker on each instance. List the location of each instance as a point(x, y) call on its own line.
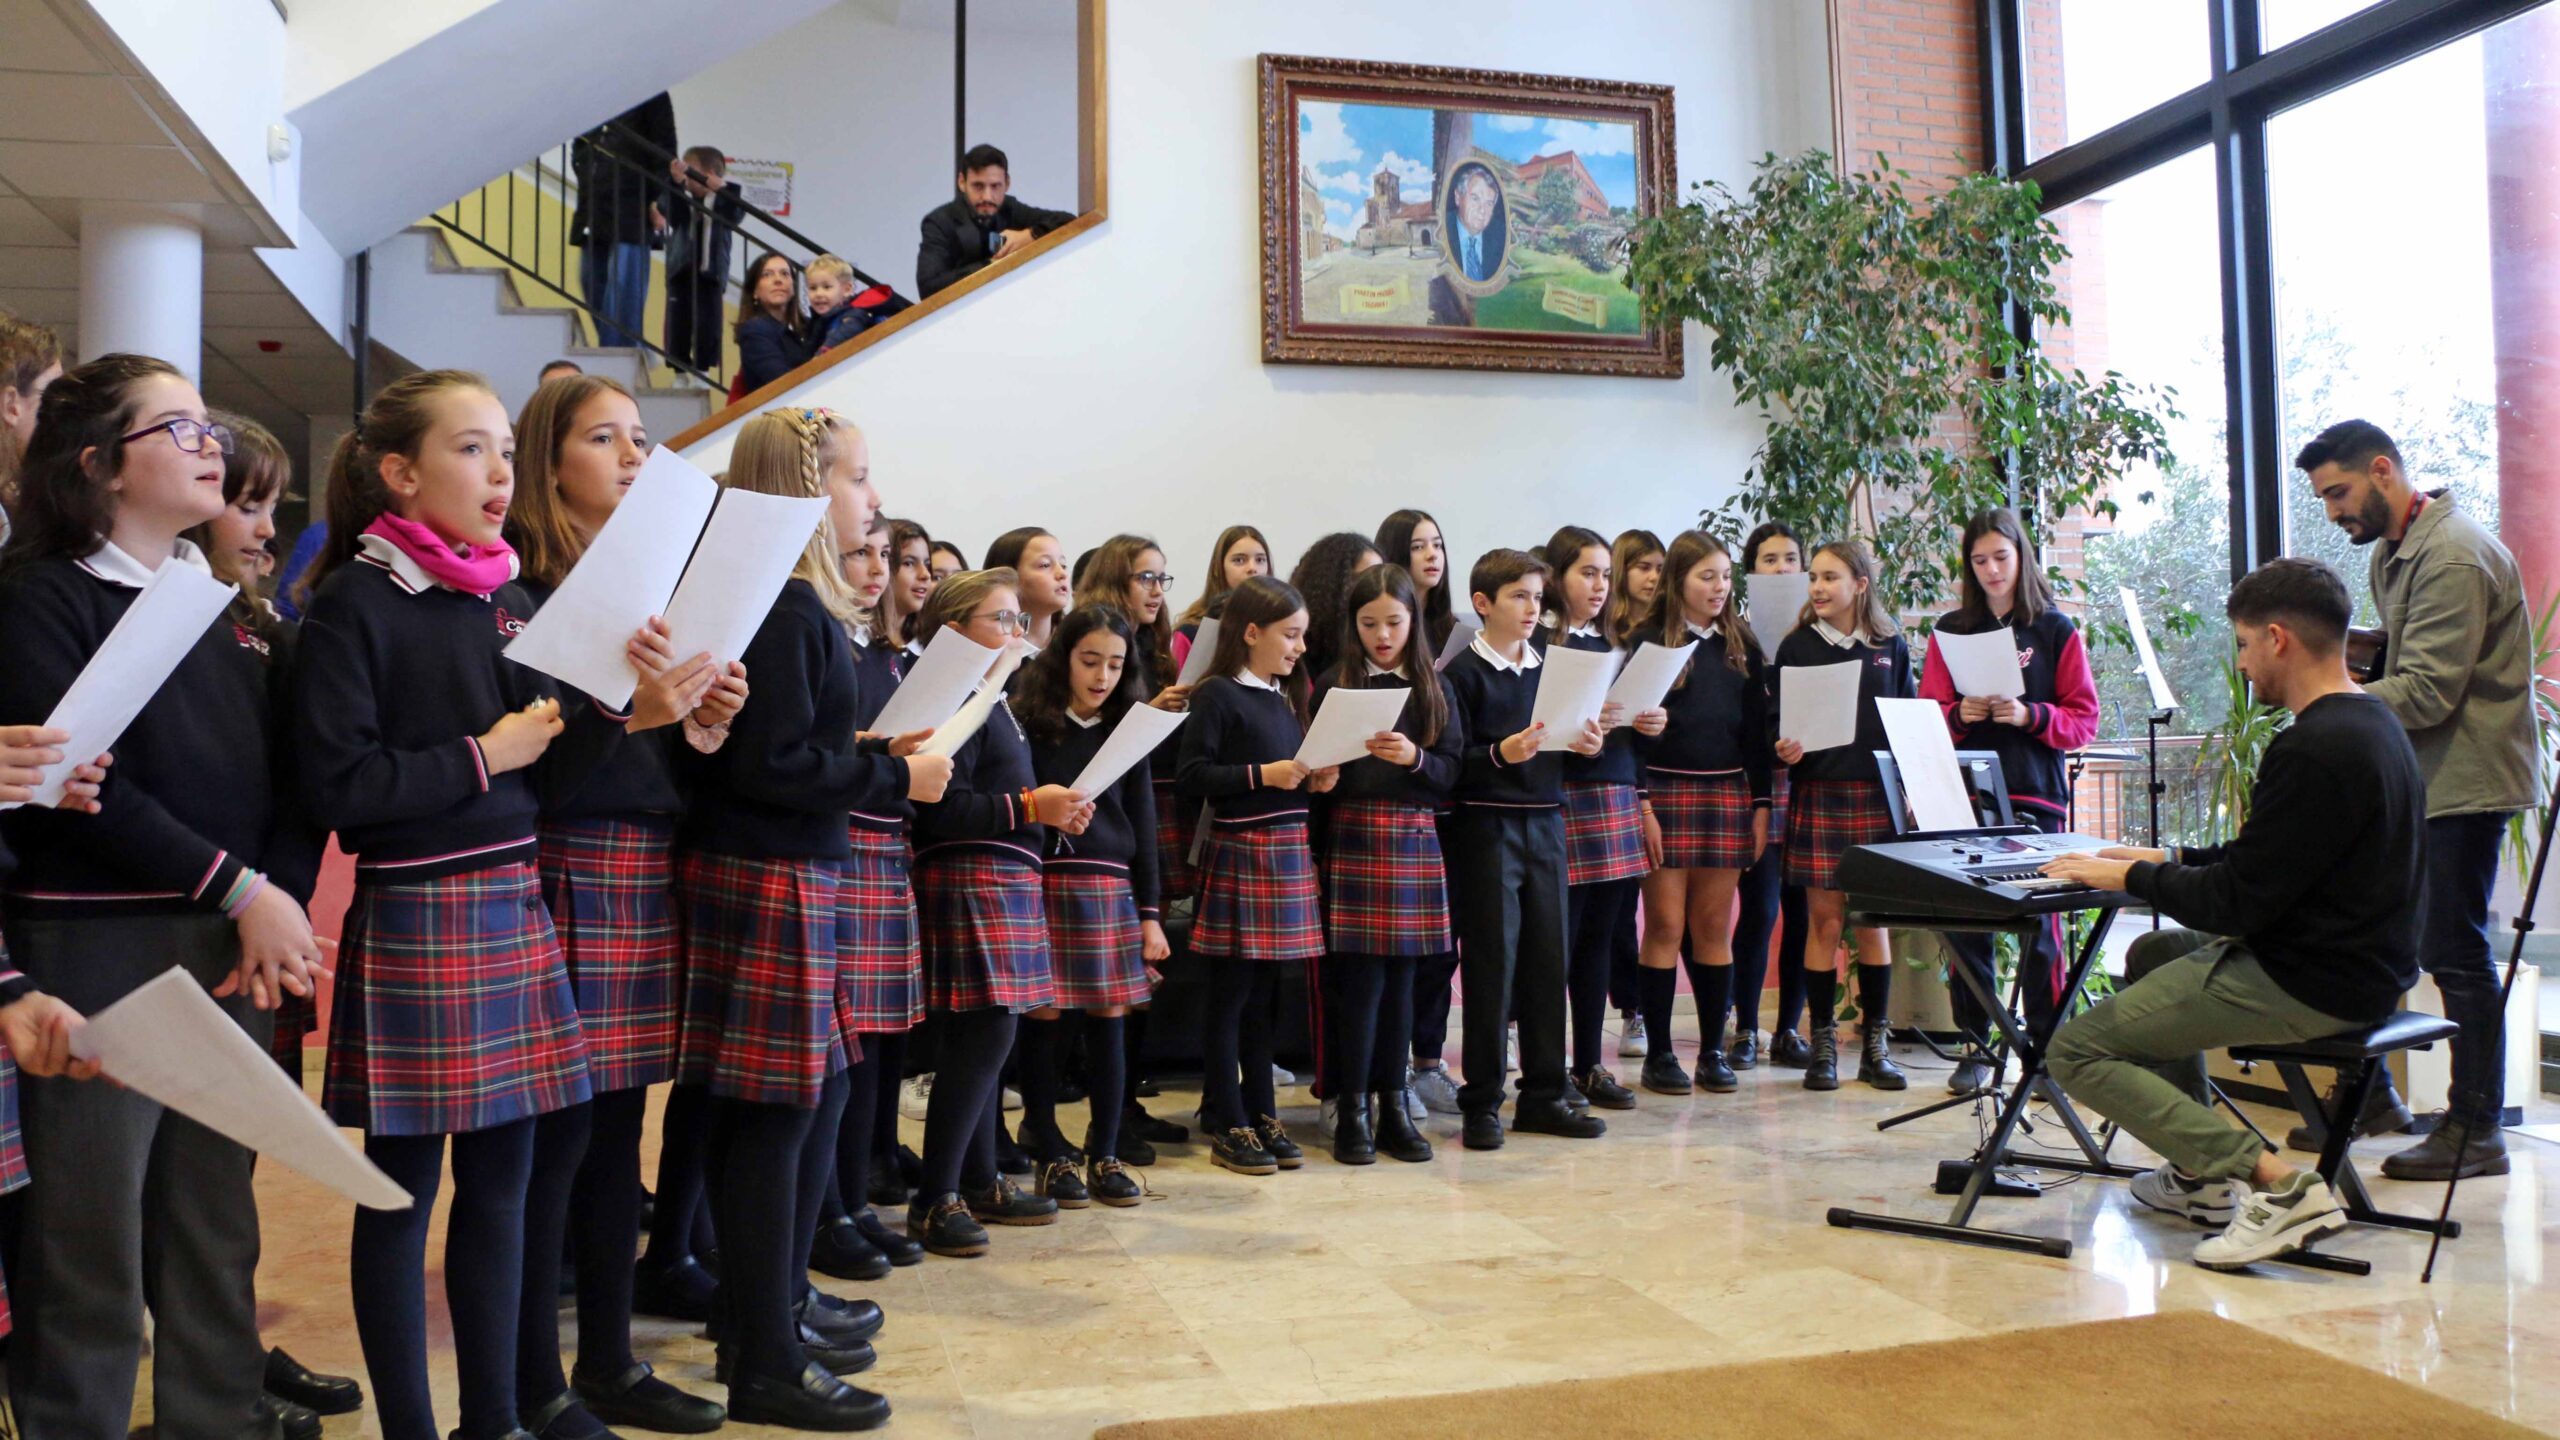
point(697, 248)
point(1477, 225)
point(983, 225)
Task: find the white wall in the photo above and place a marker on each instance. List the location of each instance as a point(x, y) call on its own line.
point(861, 107)
point(222, 62)
point(1119, 384)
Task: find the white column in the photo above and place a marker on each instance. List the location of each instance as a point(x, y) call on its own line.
point(142, 282)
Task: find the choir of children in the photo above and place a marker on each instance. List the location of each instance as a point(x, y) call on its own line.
point(745, 892)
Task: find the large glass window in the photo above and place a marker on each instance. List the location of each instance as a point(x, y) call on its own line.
point(2281, 22)
point(2091, 63)
point(2143, 291)
point(2413, 263)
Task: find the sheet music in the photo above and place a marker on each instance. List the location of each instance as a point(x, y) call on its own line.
point(1462, 635)
point(1343, 724)
point(1130, 742)
point(747, 554)
point(1818, 704)
point(936, 686)
point(1984, 666)
point(955, 732)
point(1776, 601)
point(1195, 663)
point(1572, 687)
point(2161, 699)
point(155, 633)
point(626, 575)
point(1647, 680)
point(1932, 781)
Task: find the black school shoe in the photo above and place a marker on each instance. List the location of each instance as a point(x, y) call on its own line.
point(1283, 1151)
point(1060, 1182)
point(1240, 1150)
point(1744, 1052)
point(288, 1379)
point(1663, 1075)
point(944, 1226)
point(293, 1422)
point(1602, 1089)
point(637, 1399)
point(1011, 1158)
point(1555, 1117)
point(1788, 1049)
point(681, 1291)
point(1004, 1203)
point(1398, 1138)
point(1110, 1182)
point(814, 1400)
point(1715, 1074)
point(1482, 1130)
point(900, 1250)
point(1136, 1121)
point(844, 1252)
point(840, 1321)
point(850, 1359)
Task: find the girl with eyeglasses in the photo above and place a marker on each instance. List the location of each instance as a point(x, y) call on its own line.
point(198, 859)
point(1258, 905)
point(986, 940)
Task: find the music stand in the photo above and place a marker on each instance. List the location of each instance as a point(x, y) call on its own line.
point(1990, 788)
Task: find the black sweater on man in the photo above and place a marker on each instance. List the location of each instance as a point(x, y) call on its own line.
point(2322, 881)
point(956, 244)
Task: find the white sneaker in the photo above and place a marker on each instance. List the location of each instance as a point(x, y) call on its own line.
point(1328, 1115)
point(1282, 1079)
point(914, 1096)
point(1438, 1093)
point(2210, 1203)
point(1631, 1041)
point(1414, 1109)
point(2274, 1222)
point(1511, 1048)
point(1012, 1098)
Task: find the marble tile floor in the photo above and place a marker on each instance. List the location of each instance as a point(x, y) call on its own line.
point(1692, 1235)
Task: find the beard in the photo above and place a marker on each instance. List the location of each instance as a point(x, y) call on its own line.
point(2371, 522)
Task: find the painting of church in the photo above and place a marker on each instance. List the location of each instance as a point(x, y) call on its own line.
point(1391, 220)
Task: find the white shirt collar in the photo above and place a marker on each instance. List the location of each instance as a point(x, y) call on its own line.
point(412, 576)
point(1247, 677)
point(1587, 632)
point(860, 633)
point(1835, 636)
point(110, 563)
point(1528, 656)
point(1706, 632)
point(1376, 669)
point(1081, 722)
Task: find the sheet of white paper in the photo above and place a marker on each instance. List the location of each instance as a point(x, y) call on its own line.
point(936, 686)
point(746, 554)
point(169, 1041)
point(2161, 699)
point(1776, 602)
point(1345, 721)
point(1572, 686)
point(625, 576)
point(1818, 704)
point(1984, 666)
point(1195, 663)
point(1460, 637)
point(1129, 744)
point(1648, 676)
point(1932, 782)
point(158, 629)
point(953, 733)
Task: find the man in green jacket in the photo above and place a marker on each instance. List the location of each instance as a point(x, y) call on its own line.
point(2458, 671)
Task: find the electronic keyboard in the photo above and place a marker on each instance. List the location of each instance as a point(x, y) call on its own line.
point(1994, 874)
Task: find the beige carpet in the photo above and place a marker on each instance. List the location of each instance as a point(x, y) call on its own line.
point(2171, 1376)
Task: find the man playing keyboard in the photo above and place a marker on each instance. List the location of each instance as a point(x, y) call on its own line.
point(2314, 909)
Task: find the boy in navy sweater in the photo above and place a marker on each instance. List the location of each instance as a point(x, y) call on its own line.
point(1506, 862)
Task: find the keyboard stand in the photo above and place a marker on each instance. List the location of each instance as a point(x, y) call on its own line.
point(1982, 1170)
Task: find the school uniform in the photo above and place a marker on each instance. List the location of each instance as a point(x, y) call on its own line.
point(880, 946)
point(1386, 895)
point(101, 904)
point(1710, 770)
point(1175, 816)
point(2062, 716)
point(1605, 862)
point(978, 858)
point(1506, 849)
point(1100, 885)
point(1257, 878)
point(1837, 795)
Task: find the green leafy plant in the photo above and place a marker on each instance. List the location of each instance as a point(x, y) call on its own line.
point(1874, 334)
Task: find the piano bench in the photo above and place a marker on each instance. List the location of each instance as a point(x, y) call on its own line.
point(2358, 1057)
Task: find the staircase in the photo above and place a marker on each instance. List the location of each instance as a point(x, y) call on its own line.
point(430, 302)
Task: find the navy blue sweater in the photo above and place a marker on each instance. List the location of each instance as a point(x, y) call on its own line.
point(1122, 837)
point(1492, 706)
point(1887, 675)
point(1616, 764)
point(1426, 782)
point(1234, 730)
point(878, 669)
point(1719, 720)
point(191, 799)
point(790, 772)
point(596, 772)
point(981, 810)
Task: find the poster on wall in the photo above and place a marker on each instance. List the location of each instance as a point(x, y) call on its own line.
point(1420, 215)
point(765, 184)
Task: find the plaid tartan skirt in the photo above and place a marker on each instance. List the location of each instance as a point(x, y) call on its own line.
point(879, 955)
point(453, 1010)
point(1174, 817)
point(296, 1017)
point(611, 887)
point(1829, 818)
point(986, 932)
point(1705, 818)
point(1258, 894)
point(1603, 834)
point(1094, 942)
point(1386, 884)
point(13, 1153)
point(1777, 804)
point(760, 1017)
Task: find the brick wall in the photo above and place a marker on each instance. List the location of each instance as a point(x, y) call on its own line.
point(1906, 81)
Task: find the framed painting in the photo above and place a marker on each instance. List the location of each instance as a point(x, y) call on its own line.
point(1473, 219)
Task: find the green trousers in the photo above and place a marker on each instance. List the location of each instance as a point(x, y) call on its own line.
point(2116, 1057)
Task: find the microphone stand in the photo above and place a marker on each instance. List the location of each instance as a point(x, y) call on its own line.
point(2506, 991)
point(2155, 788)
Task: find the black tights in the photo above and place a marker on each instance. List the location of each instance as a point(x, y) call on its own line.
point(684, 1132)
point(483, 1268)
point(855, 1132)
point(1766, 899)
point(1045, 1044)
point(765, 1203)
point(1366, 996)
point(1244, 996)
point(959, 1123)
point(1593, 915)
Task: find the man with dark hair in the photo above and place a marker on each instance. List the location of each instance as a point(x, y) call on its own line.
point(2457, 669)
point(697, 250)
point(984, 224)
point(558, 370)
point(2307, 930)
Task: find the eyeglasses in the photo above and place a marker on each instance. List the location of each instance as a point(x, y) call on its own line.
point(188, 435)
point(1151, 580)
point(1013, 620)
